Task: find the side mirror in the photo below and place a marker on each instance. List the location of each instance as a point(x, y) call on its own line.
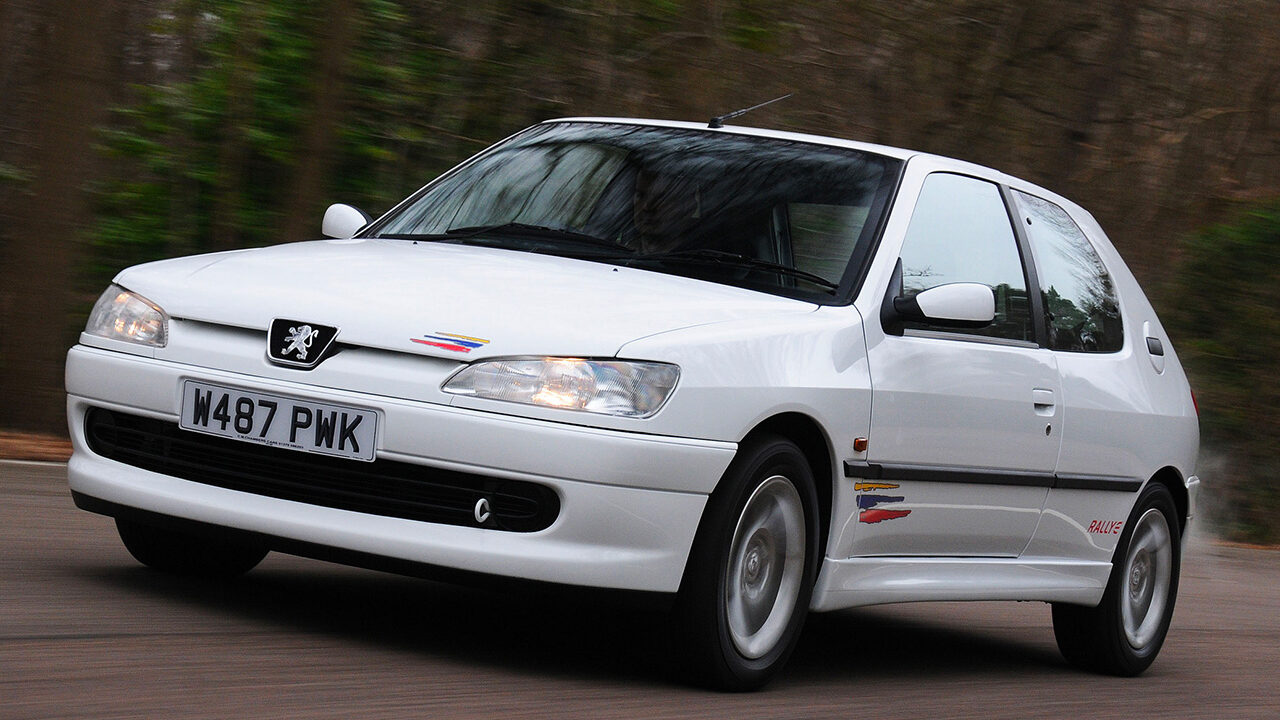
point(342, 221)
point(956, 305)
point(962, 304)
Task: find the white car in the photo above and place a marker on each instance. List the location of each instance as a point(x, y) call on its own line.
point(760, 373)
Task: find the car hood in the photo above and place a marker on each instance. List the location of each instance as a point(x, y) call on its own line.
point(397, 295)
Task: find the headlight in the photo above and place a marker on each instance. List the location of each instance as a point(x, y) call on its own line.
point(122, 315)
point(609, 387)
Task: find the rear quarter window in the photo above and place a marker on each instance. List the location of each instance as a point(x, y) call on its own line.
point(1082, 313)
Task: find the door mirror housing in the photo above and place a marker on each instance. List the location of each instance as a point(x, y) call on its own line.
point(964, 305)
point(343, 221)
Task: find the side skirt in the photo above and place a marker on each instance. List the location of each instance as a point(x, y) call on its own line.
point(877, 580)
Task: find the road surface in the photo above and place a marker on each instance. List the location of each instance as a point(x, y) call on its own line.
point(87, 632)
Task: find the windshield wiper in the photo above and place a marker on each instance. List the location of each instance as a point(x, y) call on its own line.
point(509, 228)
point(707, 255)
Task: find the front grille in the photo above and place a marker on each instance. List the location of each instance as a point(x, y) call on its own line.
point(381, 487)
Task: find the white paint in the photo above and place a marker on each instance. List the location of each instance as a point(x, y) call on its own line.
point(633, 490)
point(970, 302)
point(342, 221)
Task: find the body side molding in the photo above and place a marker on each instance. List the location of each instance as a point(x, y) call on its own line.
point(988, 476)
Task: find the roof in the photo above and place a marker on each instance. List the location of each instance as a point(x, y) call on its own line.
point(892, 152)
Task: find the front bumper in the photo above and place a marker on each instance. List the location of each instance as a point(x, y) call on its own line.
point(630, 503)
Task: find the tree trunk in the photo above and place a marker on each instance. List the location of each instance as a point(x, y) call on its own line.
point(1078, 137)
point(37, 258)
point(317, 150)
point(184, 210)
point(233, 149)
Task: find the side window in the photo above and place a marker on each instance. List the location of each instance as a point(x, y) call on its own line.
point(960, 232)
point(1081, 310)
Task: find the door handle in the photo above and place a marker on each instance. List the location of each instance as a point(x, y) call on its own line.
point(1043, 401)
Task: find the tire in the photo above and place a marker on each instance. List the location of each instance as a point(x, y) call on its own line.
point(1124, 633)
point(750, 575)
point(181, 553)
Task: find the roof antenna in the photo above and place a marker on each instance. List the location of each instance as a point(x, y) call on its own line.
point(718, 121)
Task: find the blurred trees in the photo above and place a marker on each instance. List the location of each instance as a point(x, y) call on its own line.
point(137, 129)
point(53, 83)
point(1228, 287)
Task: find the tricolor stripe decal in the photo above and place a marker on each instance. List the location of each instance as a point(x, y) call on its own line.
point(868, 510)
point(451, 342)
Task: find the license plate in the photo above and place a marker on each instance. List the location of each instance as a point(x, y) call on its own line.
point(279, 421)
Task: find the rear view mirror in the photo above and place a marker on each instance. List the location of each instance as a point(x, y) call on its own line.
point(342, 221)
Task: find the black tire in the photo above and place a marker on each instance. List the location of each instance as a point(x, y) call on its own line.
point(1105, 639)
point(173, 551)
point(736, 633)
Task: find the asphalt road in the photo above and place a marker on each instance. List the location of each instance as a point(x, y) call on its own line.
point(86, 632)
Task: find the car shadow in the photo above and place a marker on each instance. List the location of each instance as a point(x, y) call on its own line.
point(876, 644)
point(536, 629)
point(560, 632)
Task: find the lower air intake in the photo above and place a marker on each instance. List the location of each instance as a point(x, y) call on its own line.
point(381, 487)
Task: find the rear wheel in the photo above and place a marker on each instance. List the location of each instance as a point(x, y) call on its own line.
point(183, 553)
point(1123, 634)
point(750, 575)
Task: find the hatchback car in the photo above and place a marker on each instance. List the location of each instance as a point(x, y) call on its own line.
point(760, 373)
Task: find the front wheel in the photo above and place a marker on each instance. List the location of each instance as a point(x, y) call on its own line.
point(750, 575)
point(1123, 634)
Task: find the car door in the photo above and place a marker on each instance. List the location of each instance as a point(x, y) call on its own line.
point(963, 438)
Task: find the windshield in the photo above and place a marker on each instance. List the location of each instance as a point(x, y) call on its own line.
point(774, 215)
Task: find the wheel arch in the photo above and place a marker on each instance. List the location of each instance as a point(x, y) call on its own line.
point(704, 606)
point(1173, 480)
point(808, 435)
